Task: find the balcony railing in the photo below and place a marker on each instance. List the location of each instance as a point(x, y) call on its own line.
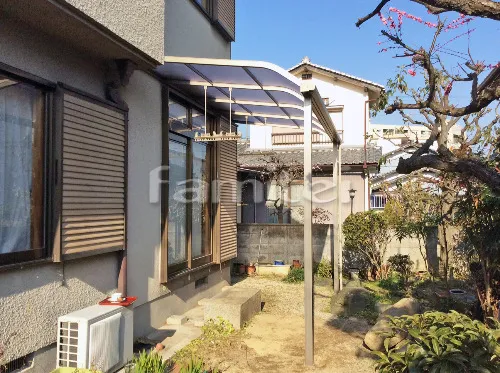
point(377, 201)
point(298, 138)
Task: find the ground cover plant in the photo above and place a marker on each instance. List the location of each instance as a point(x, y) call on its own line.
point(442, 342)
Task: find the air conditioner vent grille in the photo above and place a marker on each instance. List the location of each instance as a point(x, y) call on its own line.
point(68, 344)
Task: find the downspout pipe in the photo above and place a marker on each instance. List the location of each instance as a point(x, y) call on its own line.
point(365, 164)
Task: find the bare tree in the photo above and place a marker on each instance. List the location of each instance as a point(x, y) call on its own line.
point(281, 175)
point(430, 105)
point(479, 8)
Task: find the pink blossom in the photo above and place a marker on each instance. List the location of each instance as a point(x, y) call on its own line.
point(412, 72)
point(448, 89)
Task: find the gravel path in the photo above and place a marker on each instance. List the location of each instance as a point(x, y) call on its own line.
point(274, 339)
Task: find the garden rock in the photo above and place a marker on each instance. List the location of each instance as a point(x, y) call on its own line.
point(351, 299)
point(375, 338)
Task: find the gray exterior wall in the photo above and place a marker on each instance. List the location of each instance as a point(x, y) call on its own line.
point(32, 51)
point(282, 242)
point(141, 23)
point(324, 194)
point(188, 33)
point(32, 298)
point(410, 246)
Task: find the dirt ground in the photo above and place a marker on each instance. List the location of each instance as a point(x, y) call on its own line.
point(274, 340)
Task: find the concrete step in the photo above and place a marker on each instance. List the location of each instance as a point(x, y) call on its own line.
point(235, 304)
point(177, 320)
point(195, 316)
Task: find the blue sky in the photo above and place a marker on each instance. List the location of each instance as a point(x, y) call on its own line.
point(284, 31)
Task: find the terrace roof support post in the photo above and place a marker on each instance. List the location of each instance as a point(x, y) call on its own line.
point(336, 231)
point(308, 247)
point(338, 238)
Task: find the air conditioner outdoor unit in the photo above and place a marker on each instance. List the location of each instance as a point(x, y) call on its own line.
point(99, 337)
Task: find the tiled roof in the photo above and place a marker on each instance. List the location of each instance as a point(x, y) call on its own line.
point(350, 155)
point(307, 62)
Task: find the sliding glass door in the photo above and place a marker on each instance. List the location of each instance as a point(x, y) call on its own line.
point(189, 196)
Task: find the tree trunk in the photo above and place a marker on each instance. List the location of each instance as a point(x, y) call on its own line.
point(487, 306)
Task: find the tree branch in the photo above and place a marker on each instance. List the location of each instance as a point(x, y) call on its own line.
point(372, 13)
point(449, 163)
point(487, 92)
point(479, 8)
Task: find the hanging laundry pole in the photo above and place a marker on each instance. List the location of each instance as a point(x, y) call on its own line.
point(222, 136)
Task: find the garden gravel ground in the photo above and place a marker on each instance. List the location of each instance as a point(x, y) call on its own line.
point(274, 340)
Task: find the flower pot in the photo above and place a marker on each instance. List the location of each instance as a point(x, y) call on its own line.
point(250, 270)
point(296, 263)
point(242, 269)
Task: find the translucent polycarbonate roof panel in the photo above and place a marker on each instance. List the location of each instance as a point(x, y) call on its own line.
point(259, 92)
point(223, 74)
point(269, 78)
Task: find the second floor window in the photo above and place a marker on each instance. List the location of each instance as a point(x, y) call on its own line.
point(205, 4)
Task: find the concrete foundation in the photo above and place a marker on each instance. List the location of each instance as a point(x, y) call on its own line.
point(237, 305)
point(282, 242)
point(272, 270)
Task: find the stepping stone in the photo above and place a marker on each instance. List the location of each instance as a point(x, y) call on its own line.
point(177, 320)
point(203, 302)
point(236, 305)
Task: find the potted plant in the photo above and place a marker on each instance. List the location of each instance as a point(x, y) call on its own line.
point(251, 269)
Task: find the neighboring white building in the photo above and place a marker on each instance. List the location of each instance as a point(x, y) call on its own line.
point(347, 98)
point(391, 136)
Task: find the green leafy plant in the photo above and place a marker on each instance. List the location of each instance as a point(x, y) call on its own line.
point(295, 275)
point(149, 363)
point(367, 235)
point(441, 342)
point(324, 269)
point(215, 335)
point(401, 264)
point(216, 329)
point(196, 366)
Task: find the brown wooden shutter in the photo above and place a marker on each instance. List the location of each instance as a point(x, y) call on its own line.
point(93, 176)
point(225, 17)
point(227, 196)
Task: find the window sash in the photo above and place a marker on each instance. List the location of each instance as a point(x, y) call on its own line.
point(184, 134)
point(18, 97)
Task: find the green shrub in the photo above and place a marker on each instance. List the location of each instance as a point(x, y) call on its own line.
point(402, 264)
point(324, 269)
point(295, 275)
point(442, 342)
point(393, 284)
point(149, 363)
point(196, 366)
point(215, 334)
point(217, 329)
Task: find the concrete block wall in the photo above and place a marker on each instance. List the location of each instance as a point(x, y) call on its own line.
point(282, 242)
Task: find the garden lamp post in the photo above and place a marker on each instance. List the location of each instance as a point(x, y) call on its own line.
point(352, 192)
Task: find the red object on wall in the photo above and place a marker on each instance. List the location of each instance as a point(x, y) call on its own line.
point(127, 301)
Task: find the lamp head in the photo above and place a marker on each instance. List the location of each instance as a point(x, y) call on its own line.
point(352, 192)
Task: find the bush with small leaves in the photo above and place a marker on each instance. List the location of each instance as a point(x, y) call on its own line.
point(295, 275)
point(324, 269)
point(441, 342)
point(401, 264)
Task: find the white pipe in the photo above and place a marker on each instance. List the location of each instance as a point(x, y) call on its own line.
point(206, 109)
point(230, 109)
